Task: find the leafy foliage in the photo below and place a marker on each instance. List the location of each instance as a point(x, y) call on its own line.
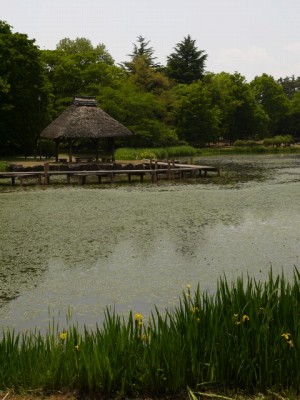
point(77, 67)
point(84, 46)
point(141, 49)
point(270, 95)
point(292, 120)
point(197, 120)
point(290, 85)
point(241, 116)
point(141, 112)
point(24, 92)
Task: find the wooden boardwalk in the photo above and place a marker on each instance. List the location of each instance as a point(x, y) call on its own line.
point(155, 170)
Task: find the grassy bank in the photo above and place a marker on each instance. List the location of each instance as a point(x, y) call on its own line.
point(173, 152)
point(156, 153)
point(250, 150)
point(189, 151)
point(246, 337)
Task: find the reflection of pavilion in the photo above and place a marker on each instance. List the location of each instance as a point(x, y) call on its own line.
point(83, 119)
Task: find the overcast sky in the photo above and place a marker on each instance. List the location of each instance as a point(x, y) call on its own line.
point(248, 36)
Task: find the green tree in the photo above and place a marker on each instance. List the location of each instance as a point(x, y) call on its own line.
point(147, 78)
point(197, 119)
point(240, 116)
point(76, 67)
point(143, 113)
point(24, 92)
point(290, 85)
point(187, 63)
point(84, 46)
point(141, 50)
point(293, 117)
point(270, 95)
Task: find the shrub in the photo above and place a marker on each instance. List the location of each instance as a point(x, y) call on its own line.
point(285, 140)
point(251, 143)
point(239, 143)
point(4, 166)
point(147, 155)
point(244, 143)
point(268, 142)
point(277, 141)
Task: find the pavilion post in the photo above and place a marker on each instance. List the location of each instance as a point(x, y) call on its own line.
point(56, 150)
point(70, 143)
point(96, 141)
point(111, 148)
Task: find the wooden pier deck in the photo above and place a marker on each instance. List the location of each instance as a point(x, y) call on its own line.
point(155, 170)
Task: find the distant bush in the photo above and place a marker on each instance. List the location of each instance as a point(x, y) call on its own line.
point(146, 154)
point(245, 143)
point(240, 143)
point(276, 141)
point(268, 142)
point(183, 151)
point(251, 143)
point(279, 140)
point(4, 166)
point(287, 140)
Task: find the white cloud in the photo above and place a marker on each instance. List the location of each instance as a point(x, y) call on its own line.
point(291, 59)
point(292, 47)
point(250, 55)
point(249, 62)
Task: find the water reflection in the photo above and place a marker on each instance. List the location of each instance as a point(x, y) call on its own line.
point(133, 247)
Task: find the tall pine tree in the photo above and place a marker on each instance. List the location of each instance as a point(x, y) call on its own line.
point(141, 49)
point(187, 63)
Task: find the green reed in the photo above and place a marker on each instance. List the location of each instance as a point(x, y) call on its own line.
point(156, 153)
point(246, 336)
point(189, 151)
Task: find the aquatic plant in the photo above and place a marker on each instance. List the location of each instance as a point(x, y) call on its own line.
point(246, 336)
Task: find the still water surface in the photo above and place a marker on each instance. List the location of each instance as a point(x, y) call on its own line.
point(135, 246)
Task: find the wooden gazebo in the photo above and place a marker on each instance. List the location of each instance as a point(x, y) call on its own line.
point(84, 119)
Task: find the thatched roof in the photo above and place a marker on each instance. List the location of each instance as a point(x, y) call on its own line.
point(84, 119)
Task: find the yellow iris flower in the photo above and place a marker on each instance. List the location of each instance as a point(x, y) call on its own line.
point(138, 317)
point(63, 335)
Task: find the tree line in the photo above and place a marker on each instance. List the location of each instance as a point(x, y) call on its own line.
point(164, 105)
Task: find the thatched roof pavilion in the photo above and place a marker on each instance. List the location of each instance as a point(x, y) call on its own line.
point(84, 119)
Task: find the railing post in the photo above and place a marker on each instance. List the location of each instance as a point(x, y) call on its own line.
point(169, 170)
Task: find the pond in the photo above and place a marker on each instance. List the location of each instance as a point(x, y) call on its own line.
point(80, 249)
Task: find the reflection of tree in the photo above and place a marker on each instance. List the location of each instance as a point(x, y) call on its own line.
point(39, 227)
point(21, 265)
